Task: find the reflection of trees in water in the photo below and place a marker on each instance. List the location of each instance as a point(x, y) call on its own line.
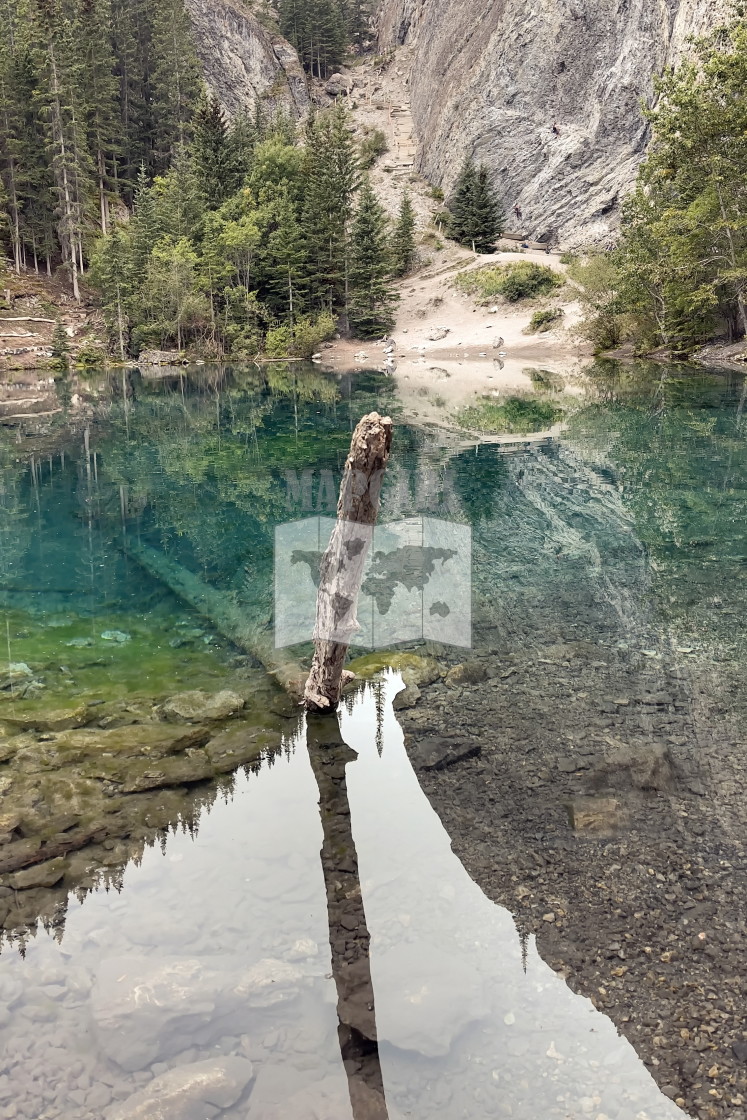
point(15, 527)
point(117, 839)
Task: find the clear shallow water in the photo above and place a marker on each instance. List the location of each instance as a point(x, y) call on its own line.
point(608, 565)
point(468, 1023)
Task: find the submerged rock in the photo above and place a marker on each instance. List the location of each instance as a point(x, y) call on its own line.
point(42, 875)
point(439, 754)
point(15, 672)
point(197, 706)
point(437, 997)
point(145, 1010)
point(191, 1092)
point(415, 669)
point(598, 816)
point(105, 751)
point(238, 745)
point(64, 719)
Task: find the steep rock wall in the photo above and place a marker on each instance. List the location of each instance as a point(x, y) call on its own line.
point(243, 62)
point(492, 77)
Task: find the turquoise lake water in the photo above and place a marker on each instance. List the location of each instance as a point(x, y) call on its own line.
point(392, 977)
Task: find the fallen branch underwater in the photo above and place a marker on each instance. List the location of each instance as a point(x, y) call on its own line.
point(227, 618)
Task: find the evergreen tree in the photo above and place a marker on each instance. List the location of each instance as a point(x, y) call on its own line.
point(281, 266)
point(218, 164)
point(489, 217)
point(62, 106)
point(332, 178)
point(357, 23)
point(112, 273)
point(461, 204)
point(318, 31)
point(9, 127)
point(684, 246)
point(179, 206)
point(60, 348)
point(403, 245)
point(477, 218)
point(144, 222)
point(35, 177)
point(99, 92)
point(176, 81)
point(371, 298)
point(131, 41)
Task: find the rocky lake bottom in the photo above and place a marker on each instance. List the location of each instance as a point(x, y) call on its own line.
point(509, 882)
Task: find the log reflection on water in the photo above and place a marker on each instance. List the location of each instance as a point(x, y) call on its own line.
point(348, 932)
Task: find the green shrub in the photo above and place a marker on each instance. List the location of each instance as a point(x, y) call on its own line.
point(542, 320)
point(91, 355)
point(279, 342)
point(523, 280)
point(437, 194)
point(519, 415)
point(373, 145)
point(302, 340)
point(309, 334)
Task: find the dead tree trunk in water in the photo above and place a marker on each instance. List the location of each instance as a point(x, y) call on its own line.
point(341, 568)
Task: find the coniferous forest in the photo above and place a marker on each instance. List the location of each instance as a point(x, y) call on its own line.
point(121, 172)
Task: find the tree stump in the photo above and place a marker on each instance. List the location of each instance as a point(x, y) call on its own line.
point(342, 566)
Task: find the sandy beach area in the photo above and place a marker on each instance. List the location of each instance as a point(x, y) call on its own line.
point(446, 350)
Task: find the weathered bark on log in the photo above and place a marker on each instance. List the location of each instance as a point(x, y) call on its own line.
point(341, 568)
point(224, 614)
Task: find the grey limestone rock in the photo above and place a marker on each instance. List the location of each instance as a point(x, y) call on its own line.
point(492, 80)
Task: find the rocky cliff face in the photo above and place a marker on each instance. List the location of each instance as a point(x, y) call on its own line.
point(492, 77)
point(244, 62)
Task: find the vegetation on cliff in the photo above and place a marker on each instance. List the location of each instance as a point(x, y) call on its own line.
point(679, 274)
point(322, 30)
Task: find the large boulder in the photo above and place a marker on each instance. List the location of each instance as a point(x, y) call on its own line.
point(199, 707)
point(191, 1092)
point(106, 754)
point(143, 1009)
point(239, 745)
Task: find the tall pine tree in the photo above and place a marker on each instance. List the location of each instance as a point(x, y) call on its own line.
point(371, 298)
point(403, 243)
point(477, 218)
point(332, 178)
